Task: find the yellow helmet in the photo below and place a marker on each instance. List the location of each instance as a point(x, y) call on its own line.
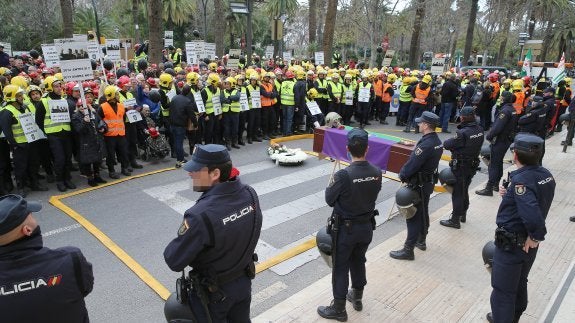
point(212, 66)
point(111, 91)
point(312, 93)
point(426, 79)
point(49, 83)
point(392, 78)
point(213, 79)
point(166, 80)
point(33, 88)
point(240, 77)
point(300, 74)
point(192, 78)
point(177, 69)
point(231, 80)
point(406, 80)
point(59, 76)
point(507, 81)
point(269, 74)
point(254, 76)
point(567, 80)
point(19, 81)
point(348, 77)
point(11, 91)
point(517, 85)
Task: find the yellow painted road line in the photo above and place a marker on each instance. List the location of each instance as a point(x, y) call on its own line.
point(142, 273)
point(290, 253)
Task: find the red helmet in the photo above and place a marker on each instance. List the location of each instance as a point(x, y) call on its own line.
point(153, 132)
point(526, 80)
point(71, 86)
point(220, 69)
point(110, 75)
point(33, 75)
point(85, 84)
point(152, 82)
point(123, 81)
point(290, 75)
point(493, 77)
point(137, 46)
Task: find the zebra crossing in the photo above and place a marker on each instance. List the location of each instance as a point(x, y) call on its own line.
point(278, 215)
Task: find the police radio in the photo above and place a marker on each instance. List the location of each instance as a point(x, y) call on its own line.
point(183, 287)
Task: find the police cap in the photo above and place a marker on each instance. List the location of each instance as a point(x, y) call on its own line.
point(467, 111)
point(13, 211)
point(205, 155)
point(357, 136)
point(428, 117)
point(528, 143)
point(549, 90)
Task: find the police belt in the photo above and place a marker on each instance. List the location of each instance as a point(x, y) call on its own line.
point(507, 240)
point(422, 178)
point(363, 218)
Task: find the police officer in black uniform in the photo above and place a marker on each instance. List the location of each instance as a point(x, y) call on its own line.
point(38, 284)
point(534, 121)
point(352, 194)
point(465, 148)
point(420, 173)
point(501, 136)
point(527, 197)
point(217, 238)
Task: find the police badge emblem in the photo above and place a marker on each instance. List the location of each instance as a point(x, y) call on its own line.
point(183, 228)
point(501, 115)
point(418, 151)
point(519, 189)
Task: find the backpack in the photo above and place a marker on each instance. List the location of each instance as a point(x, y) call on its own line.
point(477, 95)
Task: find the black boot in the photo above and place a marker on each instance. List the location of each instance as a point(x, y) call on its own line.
point(403, 254)
point(572, 218)
point(489, 317)
point(135, 164)
point(421, 244)
point(241, 141)
point(126, 172)
point(228, 144)
point(451, 223)
point(335, 311)
point(235, 143)
point(99, 179)
point(354, 296)
point(69, 184)
point(250, 140)
point(92, 181)
point(61, 187)
point(463, 218)
point(487, 191)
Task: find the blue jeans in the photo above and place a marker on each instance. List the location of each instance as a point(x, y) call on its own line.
point(179, 134)
point(445, 114)
point(287, 119)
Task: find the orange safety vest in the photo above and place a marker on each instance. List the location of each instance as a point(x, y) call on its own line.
point(421, 95)
point(114, 120)
point(519, 102)
point(496, 88)
point(267, 102)
point(378, 87)
point(567, 94)
point(386, 97)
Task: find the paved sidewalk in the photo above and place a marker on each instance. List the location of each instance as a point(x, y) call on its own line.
point(448, 282)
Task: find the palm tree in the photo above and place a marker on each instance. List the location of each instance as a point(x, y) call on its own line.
point(470, 29)
point(416, 34)
point(329, 29)
point(219, 26)
point(155, 31)
point(67, 18)
point(312, 21)
point(179, 11)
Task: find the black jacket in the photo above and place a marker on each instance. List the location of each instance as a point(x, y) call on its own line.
point(50, 283)
point(182, 109)
point(449, 92)
point(90, 141)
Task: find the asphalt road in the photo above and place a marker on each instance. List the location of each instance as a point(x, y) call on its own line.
point(142, 215)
